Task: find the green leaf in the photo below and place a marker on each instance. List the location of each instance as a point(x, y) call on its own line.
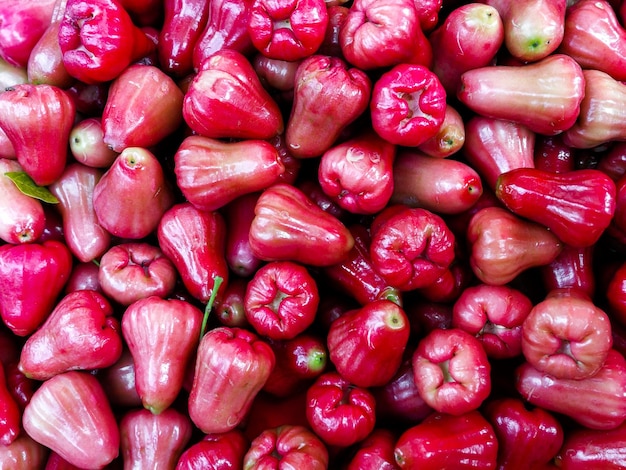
point(27, 186)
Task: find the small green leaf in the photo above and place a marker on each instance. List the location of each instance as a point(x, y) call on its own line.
point(27, 186)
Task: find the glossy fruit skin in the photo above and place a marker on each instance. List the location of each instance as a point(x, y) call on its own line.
point(22, 218)
point(572, 397)
point(448, 441)
point(212, 173)
point(339, 412)
point(595, 38)
point(328, 95)
point(577, 206)
point(38, 120)
point(526, 437)
point(150, 440)
point(500, 245)
point(306, 22)
point(70, 414)
point(289, 226)
point(208, 113)
point(42, 267)
point(281, 300)
point(567, 335)
point(183, 23)
point(367, 344)
point(514, 88)
point(591, 449)
point(81, 333)
point(10, 413)
point(221, 451)
point(143, 107)
point(106, 31)
point(408, 105)
point(383, 33)
point(451, 371)
point(289, 446)
point(410, 247)
point(194, 241)
point(162, 335)
point(356, 275)
point(233, 363)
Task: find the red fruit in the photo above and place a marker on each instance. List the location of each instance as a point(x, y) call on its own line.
point(162, 336)
point(70, 414)
point(81, 333)
point(232, 366)
point(132, 195)
point(289, 226)
point(227, 100)
point(451, 371)
point(448, 441)
point(281, 300)
point(144, 105)
point(339, 412)
point(38, 120)
point(366, 344)
point(10, 413)
point(31, 278)
point(220, 451)
point(567, 335)
point(150, 440)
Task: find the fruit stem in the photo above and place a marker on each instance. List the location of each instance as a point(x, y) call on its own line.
point(217, 282)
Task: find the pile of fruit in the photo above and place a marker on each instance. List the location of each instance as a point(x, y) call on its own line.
point(309, 234)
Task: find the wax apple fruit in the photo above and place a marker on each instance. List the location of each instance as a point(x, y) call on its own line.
point(545, 95)
point(194, 241)
point(144, 105)
point(451, 371)
point(162, 335)
point(289, 31)
point(42, 267)
point(70, 414)
point(132, 271)
point(289, 226)
point(81, 333)
point(366, 344)
point(85, 237)
point(211, 173)
point(503, 245)
point(22, 218)
point(216, 450)
point(448, 441)
point(132, 195)
point(411, 247)
point(149, 440)
point(382, 33)
point(38, 120)
point(567, 335)
point(338, 411)
point(328, 95)
point(281, 300)
point(99, 40)
point(495, 315)
point(358, 174)
point(232, 366)
point(227, 100)
point(576, 206)
point(440, 185)
point(408, 105)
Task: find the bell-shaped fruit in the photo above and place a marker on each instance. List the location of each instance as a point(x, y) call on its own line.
point(81, 333)
point(162, 336)
point(38, 120)
point(70, 414)
point(32, 275)
point(132, 195)
point(144, 106)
